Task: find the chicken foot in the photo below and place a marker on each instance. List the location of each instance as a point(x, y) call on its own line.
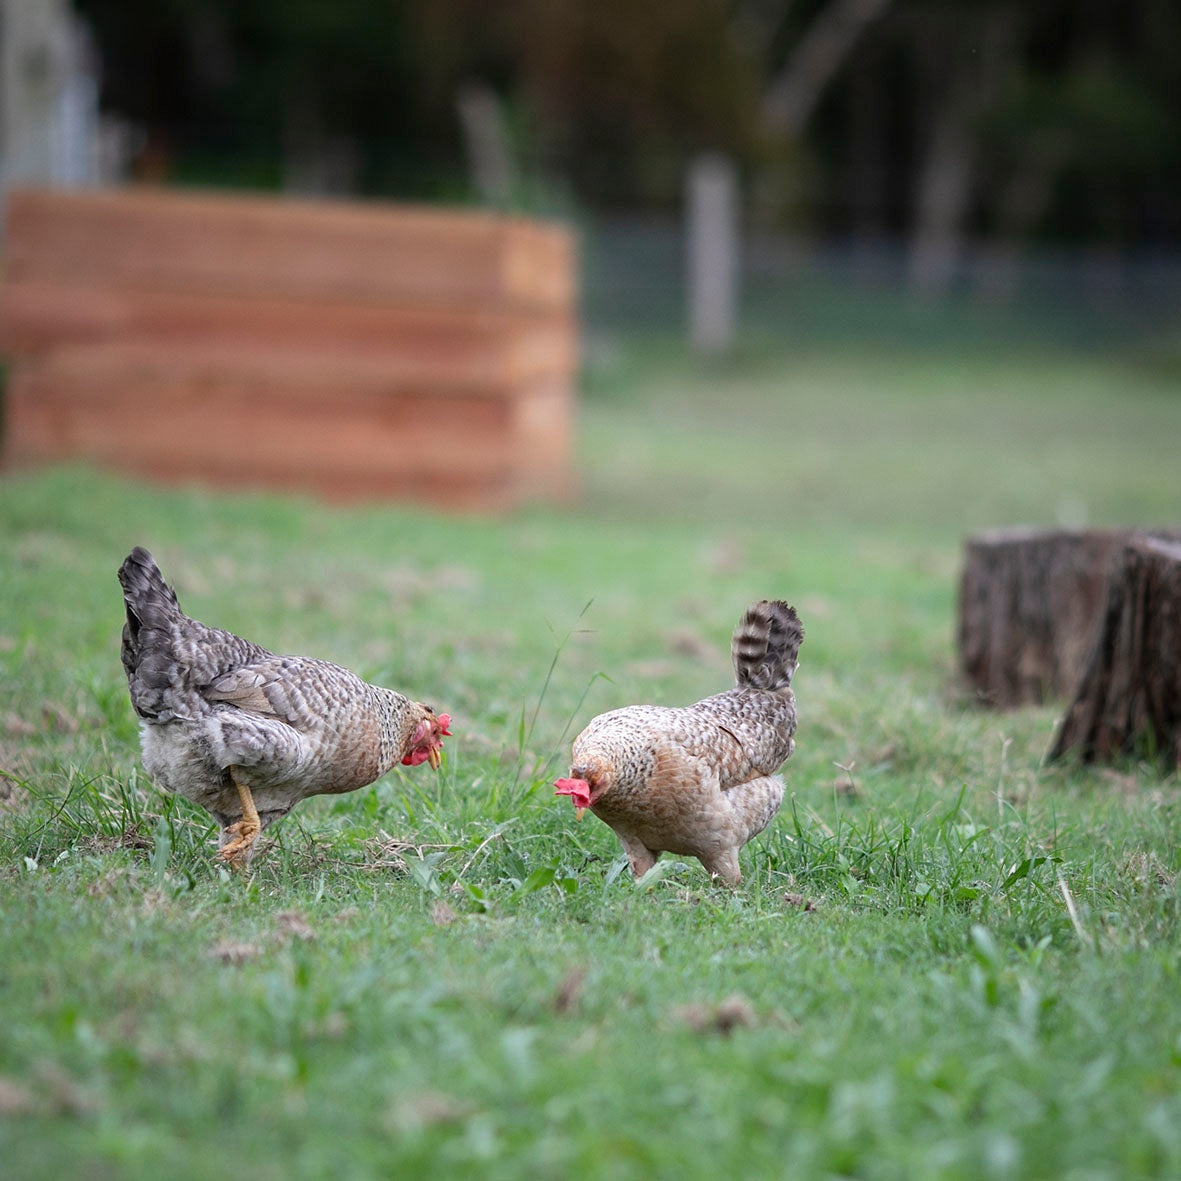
point(639, 856)
point(245, 831)
point(723, 865)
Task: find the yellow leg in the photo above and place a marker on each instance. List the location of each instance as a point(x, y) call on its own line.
point(246, 830)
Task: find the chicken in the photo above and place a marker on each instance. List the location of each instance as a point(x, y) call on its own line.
point(248, 734)
point(697, 781)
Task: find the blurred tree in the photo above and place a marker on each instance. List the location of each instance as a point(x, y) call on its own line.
point(624, 94)
point(965, 58)
point(1095, 133)
point(318, 94)
point(798, 85)
point(1055, 118)
point(1045, 115)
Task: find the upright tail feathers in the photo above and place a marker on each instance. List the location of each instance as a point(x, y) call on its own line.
point(149, 599)
point(151, 607)
point(766, 644)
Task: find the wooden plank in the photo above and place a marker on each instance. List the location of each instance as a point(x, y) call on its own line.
point(332, 445)
point(542, 441)
point(348, 444)
point(175, 416)
point(292, 376)
point(419, 345)
point(191, 428)
point(189, 443)
point(450, 486)
point(252, 246)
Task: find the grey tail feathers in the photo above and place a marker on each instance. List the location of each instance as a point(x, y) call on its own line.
point(766, 645)
point(149, 599)
point(151, 608)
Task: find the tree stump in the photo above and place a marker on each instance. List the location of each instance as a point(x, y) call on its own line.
point(1129, 698)
point(1029, 601)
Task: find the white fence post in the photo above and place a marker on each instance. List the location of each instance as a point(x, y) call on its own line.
point(489, 158)
point(713, 252)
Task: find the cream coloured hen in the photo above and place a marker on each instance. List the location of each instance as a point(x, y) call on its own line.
point(698, 781)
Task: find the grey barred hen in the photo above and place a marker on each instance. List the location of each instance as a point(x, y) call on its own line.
point(248, 734)
point(697, 781)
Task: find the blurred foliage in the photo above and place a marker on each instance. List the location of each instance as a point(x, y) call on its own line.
point(611, 98)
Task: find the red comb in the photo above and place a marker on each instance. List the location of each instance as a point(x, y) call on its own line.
point(577, 789)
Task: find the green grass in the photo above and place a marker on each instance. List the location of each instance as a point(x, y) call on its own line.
point(951, 961)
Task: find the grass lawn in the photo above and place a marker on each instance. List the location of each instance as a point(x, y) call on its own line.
point(944, 961)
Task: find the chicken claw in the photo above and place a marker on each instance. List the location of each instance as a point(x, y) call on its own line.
point(237, 852)
point(246, 830)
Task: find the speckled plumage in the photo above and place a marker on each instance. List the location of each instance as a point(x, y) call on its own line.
point(699, 781)
point(288, 726)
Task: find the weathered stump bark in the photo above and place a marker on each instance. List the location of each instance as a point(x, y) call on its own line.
point(1029, 601)
point(1129, 698)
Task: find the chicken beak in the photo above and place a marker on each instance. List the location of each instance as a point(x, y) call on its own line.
point(578, 813)
point(434, 758)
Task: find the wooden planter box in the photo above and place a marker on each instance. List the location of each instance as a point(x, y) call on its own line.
point(356, 351)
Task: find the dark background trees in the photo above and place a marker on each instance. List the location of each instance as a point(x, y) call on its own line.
point(1052, 120)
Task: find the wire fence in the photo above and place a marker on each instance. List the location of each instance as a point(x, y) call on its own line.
point(817, 293)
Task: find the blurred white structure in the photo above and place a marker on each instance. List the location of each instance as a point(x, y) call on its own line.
point(713, 248)
point(51, 132)
point(482, 121)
